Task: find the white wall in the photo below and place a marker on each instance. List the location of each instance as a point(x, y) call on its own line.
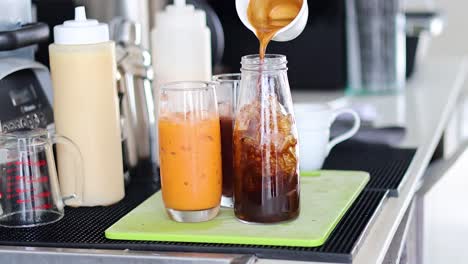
point(454, 39)
point(446, 216)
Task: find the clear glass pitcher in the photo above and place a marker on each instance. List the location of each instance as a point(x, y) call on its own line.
point(266, 160)
point(376, 47)
point(29, 188)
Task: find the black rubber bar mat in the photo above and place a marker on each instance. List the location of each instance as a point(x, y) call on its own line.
point(386, 165)
point(84, 227)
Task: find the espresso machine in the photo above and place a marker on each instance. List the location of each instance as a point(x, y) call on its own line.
point(25, 85)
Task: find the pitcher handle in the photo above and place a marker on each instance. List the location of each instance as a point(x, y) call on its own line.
point(76, 198)
point(348, 134)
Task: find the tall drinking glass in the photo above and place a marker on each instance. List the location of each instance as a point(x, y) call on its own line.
point(226, 93)
point(190, 151)
point(376, 46)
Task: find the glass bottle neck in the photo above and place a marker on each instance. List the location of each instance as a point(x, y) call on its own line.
point(271, 62)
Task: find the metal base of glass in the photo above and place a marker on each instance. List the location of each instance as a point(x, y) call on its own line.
point(193, 216)
point(227, 202)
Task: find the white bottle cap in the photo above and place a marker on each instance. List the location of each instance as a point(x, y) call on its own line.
point(81, 30)
point(180, 16)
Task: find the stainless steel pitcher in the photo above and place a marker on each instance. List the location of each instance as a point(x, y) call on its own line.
point(140, 11)
point(135, 92)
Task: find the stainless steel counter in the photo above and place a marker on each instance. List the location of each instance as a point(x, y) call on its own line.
point(37, 255)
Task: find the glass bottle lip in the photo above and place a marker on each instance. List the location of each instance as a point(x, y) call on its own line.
point(269, 62)
point(184, 86)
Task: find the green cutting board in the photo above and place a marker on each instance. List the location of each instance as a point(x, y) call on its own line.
point(325, 198)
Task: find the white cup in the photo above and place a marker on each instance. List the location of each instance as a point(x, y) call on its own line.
point(289, 32)
point(313, 123)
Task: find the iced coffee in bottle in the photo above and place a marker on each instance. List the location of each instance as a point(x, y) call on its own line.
point(266, 161)
point(266, 179)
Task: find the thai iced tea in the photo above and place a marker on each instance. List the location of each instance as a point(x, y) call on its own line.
point(190, 151)
point(190, 154)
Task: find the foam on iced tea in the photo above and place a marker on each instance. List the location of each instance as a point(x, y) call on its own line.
point(270, 16)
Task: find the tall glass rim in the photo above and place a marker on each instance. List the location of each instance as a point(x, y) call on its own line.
point(269, 62)
point(26, 133)
point(185, 86)
point(227, 77)
point(9, 139)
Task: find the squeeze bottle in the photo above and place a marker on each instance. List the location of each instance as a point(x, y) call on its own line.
point(83, 68)
point(181, 48)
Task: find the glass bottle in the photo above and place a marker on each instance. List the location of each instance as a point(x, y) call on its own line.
point(266, 180)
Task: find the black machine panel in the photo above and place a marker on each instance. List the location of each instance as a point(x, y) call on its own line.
point(23, 103)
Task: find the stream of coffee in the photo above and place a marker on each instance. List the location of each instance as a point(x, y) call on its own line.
point(270, 16)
